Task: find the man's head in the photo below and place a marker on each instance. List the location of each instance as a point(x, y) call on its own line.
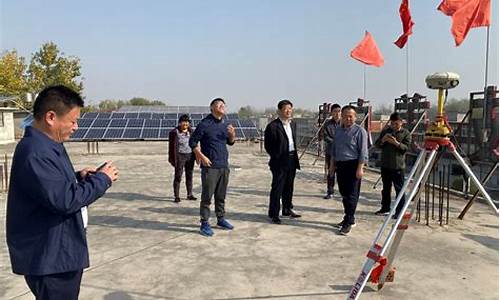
point(396, 121)
point(285, 109)
point(348, 115)
point(218, 107)
point(335, 112)
point(56, 111)
point(184, 122)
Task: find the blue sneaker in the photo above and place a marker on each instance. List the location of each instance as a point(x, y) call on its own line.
point(205, 229)
point(224, 224)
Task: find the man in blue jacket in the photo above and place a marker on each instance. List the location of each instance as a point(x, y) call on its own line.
point(47, 201)
point(213, 135)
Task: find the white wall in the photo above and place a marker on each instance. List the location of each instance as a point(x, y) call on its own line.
point(7, 130)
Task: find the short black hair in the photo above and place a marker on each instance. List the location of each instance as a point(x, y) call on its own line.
point(217, 100)
point(395, 116)
point(283, 103)
point(346, 107)
point(334, 106)
point(58, 98)
point(184, 118)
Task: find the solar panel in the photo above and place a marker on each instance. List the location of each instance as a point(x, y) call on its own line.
point(239, 133)
point(85, 122)
point(233, 122)
point(118, 122)
point(131, 115)
point(95, 133)
point(164, 133)
point(168, 123)
point(247, 123)
point(145, 115)
point(251, 133)
point(132, 133)
point(117, 115)
point(149, 123)
point(114, 133)
point(150, 133)
point(135, 123)
point(101, 123)
point(104, 115)
point(157, 116)
point(79, 133)
point(90, 115)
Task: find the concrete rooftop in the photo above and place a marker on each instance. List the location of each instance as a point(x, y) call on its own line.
point(145, 246)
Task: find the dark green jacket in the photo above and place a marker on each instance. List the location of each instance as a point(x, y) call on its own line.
point(393, 157)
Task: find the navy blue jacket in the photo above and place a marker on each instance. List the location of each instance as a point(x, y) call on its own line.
point(45, 233)
point(213, 137)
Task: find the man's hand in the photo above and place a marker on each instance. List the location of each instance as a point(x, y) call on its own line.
point(87, 171)
point(200, 158)
point(360, 172)
point(231, 132)
point(205, 161)
point(110, 170)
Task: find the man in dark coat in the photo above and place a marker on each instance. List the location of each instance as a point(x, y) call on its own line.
point(279, 141)
point(47, 201)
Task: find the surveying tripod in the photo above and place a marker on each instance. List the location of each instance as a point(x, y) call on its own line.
point(436, 139)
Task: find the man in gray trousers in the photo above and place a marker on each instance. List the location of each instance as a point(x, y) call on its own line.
point(213, 134)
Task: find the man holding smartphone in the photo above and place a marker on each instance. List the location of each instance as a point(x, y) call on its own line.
point(394, 142)
point(46, 205)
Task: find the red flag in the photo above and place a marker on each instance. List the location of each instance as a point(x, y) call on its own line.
point(466, 14)
point(404, 12)
point(367, 52)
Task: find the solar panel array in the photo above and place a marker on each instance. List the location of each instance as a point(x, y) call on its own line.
point(154, 126)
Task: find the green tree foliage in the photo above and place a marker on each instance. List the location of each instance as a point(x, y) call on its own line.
point(138, 101)
point(49, 67)
point(247, 112)
point(12, 75)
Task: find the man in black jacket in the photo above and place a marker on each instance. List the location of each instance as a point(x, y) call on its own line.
point(394, 142)
point(279, 141)
point(329, 133)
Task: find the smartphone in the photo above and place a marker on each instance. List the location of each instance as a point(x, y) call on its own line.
point(99, 168)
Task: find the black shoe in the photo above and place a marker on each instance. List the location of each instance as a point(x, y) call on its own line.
point(345, 229)
point(291, 214)
point(276, 220)
point(177, 200)
point(382, 212)
point(339, 225)
point(191, 197)
point(328, 196)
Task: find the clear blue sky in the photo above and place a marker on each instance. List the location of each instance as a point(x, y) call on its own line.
point(248, 52)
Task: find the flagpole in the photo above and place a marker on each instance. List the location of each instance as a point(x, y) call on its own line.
point(487, 57)
point(486, 82)
point(364, 82)
point(407, 68)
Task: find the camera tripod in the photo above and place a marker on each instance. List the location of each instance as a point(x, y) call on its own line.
point(436, 140)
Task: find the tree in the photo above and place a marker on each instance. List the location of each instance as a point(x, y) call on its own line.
point(12, 75)
point(49, 67)
point(138, 101)
point(247, 112)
